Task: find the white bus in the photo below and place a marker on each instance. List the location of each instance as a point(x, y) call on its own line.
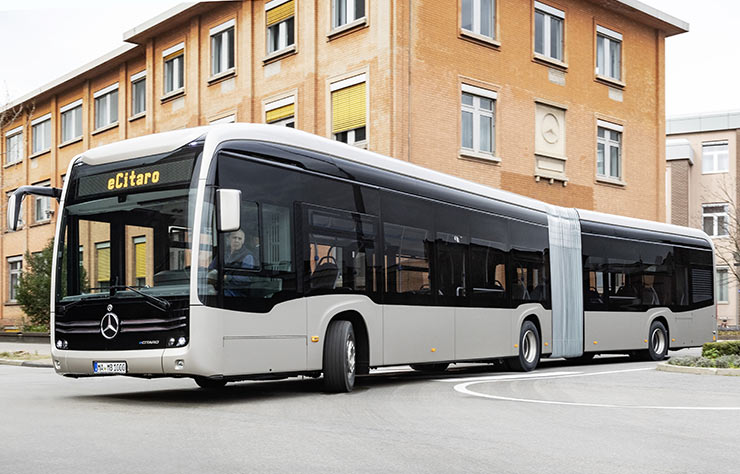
point(244, 251)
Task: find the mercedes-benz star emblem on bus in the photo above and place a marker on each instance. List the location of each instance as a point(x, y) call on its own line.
point(109, 326)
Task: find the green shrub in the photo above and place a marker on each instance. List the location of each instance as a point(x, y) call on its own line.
point(721, 362)
point(684, 361)
point(717, 349)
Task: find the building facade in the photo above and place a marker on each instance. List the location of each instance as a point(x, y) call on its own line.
point(559, 100)
point(702, 192)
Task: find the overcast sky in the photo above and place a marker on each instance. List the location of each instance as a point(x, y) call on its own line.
point(42, 42)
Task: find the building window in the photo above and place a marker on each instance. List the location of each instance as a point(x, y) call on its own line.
point(71, 121)
point(140, 261)
point(478, 16)
point(102, 258)
point(21, 221)
point(14, 145)
point(228, 119)
point(15, 266)
point(222, 48)
point(280, 24)
point(174, 68)
point(722, 285)
point(347, 11)
point(281, 112)
point(106, 106)
point(349, 110)
point(548, 31)
point(715, 219)
point(715, 157)
point(608, 53)
point(138, 93)
point(478, 124)
point(42, 205)
point(609, 150)
point(41, 134)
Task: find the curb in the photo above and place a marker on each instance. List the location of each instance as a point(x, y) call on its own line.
point(665, 367)
point(27, 363)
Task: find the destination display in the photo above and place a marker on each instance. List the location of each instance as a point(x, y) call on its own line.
point(134, 179)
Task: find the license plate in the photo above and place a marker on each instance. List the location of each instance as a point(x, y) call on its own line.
point(109, 367)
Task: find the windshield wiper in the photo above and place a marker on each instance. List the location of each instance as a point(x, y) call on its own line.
point(159, 303)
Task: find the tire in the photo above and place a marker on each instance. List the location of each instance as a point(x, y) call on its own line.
point(657, 342)
point(339, 357)
point(430, 368)
point(209, 384)
point(529, 349)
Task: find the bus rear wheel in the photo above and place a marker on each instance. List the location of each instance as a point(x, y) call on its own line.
point(430, 368)
point(529, 349)
point(339, 357)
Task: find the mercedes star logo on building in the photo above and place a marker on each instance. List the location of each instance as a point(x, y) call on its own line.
point(109, 326)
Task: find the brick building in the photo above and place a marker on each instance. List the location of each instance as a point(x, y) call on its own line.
point(702, 191)
point(560, 100)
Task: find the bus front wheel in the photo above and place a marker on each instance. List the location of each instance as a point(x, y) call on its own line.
point(529, 349)
point(339, 357)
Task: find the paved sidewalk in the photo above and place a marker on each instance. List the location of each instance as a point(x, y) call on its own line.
point(40, 349)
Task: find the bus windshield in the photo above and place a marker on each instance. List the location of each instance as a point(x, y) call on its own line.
point(127, 227)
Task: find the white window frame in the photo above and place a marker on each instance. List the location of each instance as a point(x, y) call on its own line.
point(138, 80)
point(14, 145)
point(608, 145)
point(227, 119)
point(106, 103)
point(282, 30)
point(219, 65)
point(349, 7)
point(549, 12)
point(477, 19)
point(42, 203)
point(351, 134)
point(716, 228)
point(14, 274)
point(41, 125)
point(73, 110)
point(713, 157)
point(178, 80)
point(478, 112)
point(725, 284)
point(611, 38)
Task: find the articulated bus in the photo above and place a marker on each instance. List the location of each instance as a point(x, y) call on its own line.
point(243, 251)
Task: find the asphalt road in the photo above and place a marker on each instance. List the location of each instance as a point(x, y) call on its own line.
point(610, 415)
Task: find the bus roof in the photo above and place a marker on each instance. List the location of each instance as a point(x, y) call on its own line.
point(170, 141)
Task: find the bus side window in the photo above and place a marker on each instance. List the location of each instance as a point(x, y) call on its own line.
point(340, 255)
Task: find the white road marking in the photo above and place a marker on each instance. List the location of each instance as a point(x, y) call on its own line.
point(494, 378)
point(463, 388)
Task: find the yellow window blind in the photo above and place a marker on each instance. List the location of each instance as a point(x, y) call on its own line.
point(280, 13)
point(179, 52)
point(280, 113)
point(103, 264)
point(348, 108)
point(141, 260)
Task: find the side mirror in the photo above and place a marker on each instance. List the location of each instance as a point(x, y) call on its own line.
point(229, 202)
point(14, 209)
point(16, 199)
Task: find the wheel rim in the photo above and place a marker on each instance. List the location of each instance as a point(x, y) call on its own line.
point(529, 346)
point(350, 349)
point(658, 341)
